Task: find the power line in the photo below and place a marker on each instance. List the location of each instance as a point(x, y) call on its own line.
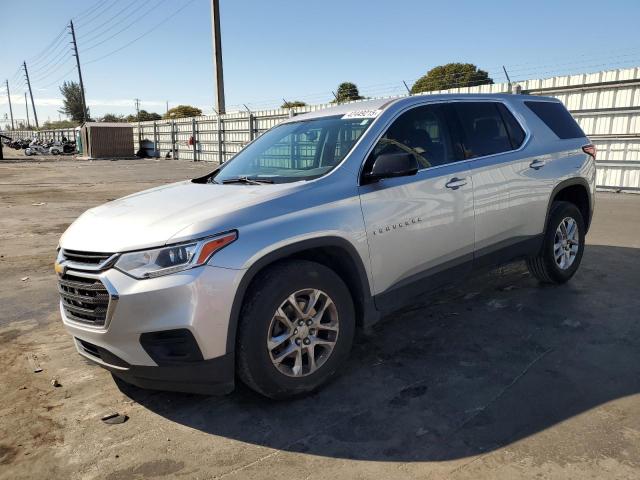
point(89, 10)
point(60, 47)
point(147, 32)
point(98, 33)
point(127, 26)
point(48, 73)
point(34, 60)
point(97, 14)
point(60, 57)
point(57, 81)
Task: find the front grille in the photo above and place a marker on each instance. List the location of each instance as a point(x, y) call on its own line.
point(87, 258)
point(84, 300)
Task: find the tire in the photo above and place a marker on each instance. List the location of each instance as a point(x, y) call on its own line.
point(27, 152)
point(545, 266)
point(270, 291)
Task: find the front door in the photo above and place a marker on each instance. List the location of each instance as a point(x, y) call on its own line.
point(420, 228)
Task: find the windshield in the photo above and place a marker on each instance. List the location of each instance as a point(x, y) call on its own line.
point(295, 151)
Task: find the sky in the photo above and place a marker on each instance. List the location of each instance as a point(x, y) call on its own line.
point(160, 50)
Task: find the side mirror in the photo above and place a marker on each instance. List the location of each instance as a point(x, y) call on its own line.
point(389, 165)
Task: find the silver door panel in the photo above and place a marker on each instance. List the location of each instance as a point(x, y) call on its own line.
point(416, 223)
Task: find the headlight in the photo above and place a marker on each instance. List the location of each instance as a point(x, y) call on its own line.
point(174, 258)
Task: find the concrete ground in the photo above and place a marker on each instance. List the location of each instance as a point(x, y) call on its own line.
point(497, 378)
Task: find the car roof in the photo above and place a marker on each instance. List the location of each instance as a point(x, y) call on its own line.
point(385, 103)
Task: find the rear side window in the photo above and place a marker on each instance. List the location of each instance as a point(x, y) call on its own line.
point(515, 131)
point(481, 129)
point(557, 118)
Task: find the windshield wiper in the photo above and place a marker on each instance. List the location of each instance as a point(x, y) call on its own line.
point(247, 180)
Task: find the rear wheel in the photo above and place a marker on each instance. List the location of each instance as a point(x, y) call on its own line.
point(562, 247)
point(296, 329)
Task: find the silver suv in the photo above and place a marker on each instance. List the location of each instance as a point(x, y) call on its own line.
point(265, 268)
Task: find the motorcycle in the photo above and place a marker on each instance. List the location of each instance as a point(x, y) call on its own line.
point(36, 148)
point(62, 148)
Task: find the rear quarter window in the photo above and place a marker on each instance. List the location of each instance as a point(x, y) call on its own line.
point(557, 118)
point(516, 133)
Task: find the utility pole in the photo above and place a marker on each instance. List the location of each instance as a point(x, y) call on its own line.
point(508, 79)
point(217, 55)
point(75, 49)
point(10, 109)
point(137, 100)
point(26, 105)
point(35, 115)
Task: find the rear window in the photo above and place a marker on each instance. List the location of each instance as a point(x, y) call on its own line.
point(557, 118)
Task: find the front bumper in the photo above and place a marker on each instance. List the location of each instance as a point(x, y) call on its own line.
point(197, 300)
point(209, 377)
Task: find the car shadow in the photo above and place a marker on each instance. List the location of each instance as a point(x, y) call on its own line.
point(481, 365)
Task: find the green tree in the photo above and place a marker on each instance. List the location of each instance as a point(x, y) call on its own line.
point(112, 118)
point(52, 125)
point(451, 75)
point(145, 116)
point(347, 92)
point(293, 104)
point(72, 101)
point(182, 111)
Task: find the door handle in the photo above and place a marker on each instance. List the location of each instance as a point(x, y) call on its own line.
point(455, 183)
point(537, 164)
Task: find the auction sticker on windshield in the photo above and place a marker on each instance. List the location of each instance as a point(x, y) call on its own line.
point(362, 114)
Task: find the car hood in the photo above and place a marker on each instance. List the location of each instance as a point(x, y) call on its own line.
point(166, 214)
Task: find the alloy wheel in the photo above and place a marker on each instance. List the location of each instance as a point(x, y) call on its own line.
point(566, 243)
point(303, 332)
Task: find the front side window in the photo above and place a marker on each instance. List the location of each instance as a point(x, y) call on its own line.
point(295, 151)
point(422, 132)
point(482, 129)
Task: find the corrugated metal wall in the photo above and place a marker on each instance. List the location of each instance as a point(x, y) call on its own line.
point(606, 104)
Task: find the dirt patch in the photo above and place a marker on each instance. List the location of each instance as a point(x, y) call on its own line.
point(153, 469)
point(432, 389)
point(7, 454)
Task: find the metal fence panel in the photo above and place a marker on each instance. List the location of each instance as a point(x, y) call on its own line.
point(606, 105)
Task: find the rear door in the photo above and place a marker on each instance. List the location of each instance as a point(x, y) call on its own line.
point(504, 182)
point(420, 228)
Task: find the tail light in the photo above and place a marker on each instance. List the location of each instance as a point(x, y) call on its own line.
point(590, 150)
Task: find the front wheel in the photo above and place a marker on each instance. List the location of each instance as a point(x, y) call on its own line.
point(563, 245)
point(296, 329)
